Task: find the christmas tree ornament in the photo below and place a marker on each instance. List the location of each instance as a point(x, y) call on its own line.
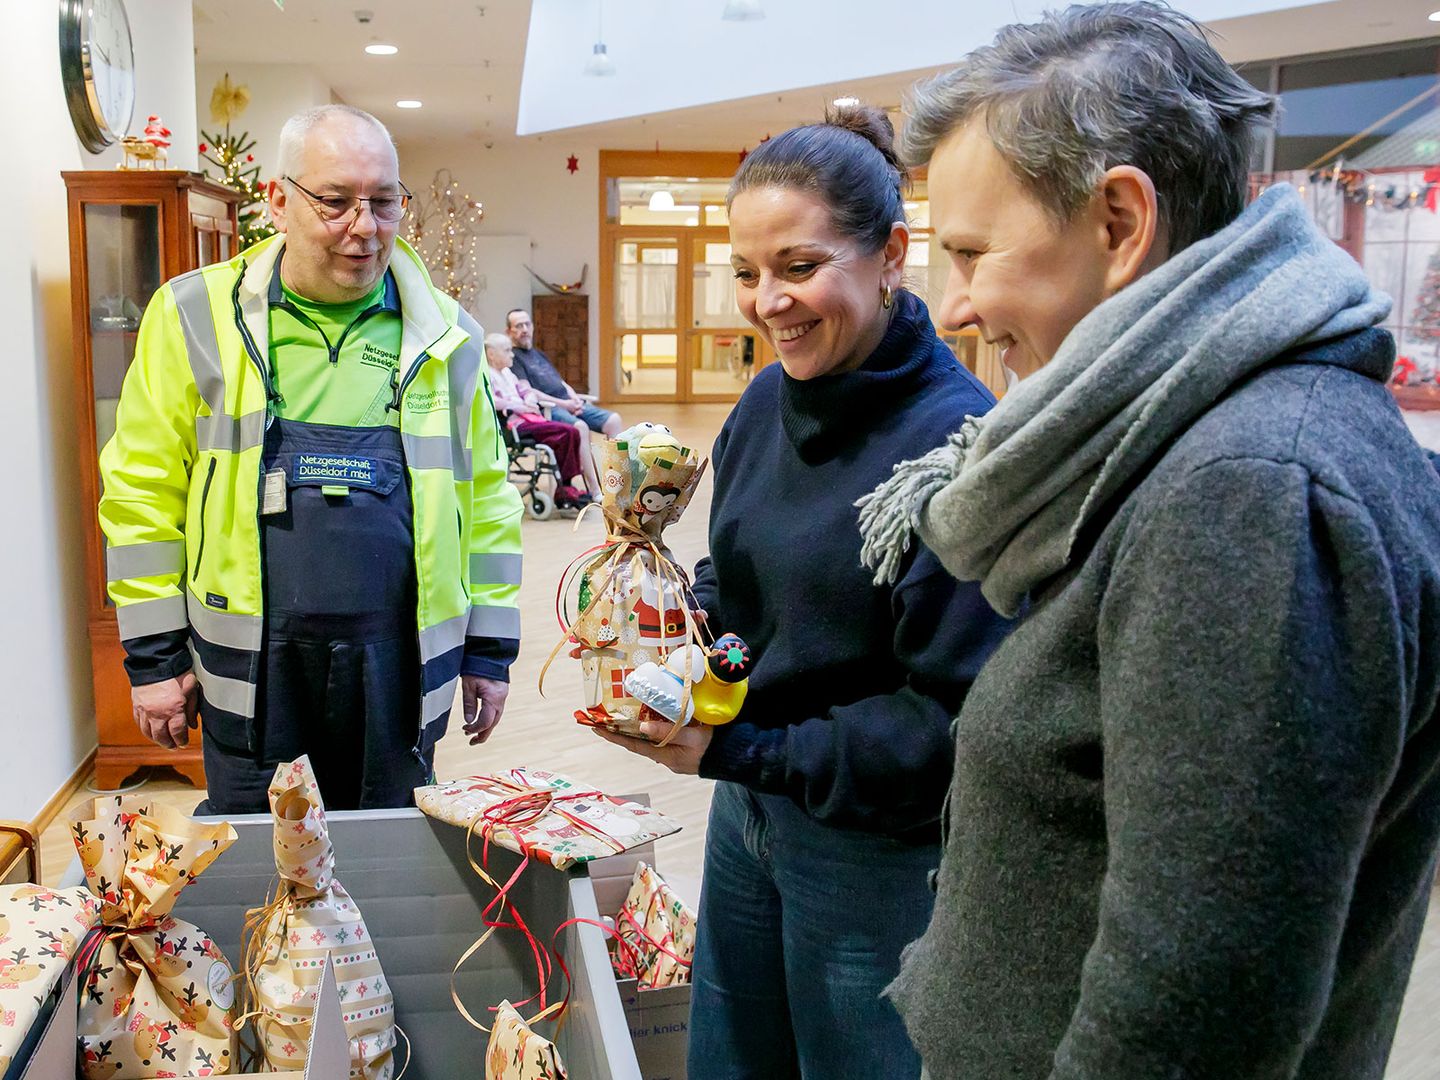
point(233, 156)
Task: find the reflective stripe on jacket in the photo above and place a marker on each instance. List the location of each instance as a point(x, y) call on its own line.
point(182, 479)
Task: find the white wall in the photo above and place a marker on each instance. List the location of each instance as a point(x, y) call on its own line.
point(277, 91)
point(46, 720)
point(527, 190)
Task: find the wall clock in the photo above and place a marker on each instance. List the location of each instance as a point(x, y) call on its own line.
point(97, 67)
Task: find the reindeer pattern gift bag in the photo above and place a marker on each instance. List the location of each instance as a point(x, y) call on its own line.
point(310, 917)
point(157, 993)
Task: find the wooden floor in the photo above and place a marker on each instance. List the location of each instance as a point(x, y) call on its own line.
point(538, 731)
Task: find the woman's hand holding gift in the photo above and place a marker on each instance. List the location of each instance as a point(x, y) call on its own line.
point(681, 755)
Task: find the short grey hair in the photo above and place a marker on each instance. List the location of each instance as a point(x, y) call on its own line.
point(1096, 86)
point(498, 341)
point(291, 156)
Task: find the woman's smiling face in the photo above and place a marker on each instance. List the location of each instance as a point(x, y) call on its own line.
point(809, 289)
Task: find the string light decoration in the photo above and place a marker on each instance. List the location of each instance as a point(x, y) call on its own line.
point(1365, 189)
point(443, 229)
point(233, 156)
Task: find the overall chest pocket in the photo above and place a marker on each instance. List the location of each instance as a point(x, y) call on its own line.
point(376, 473)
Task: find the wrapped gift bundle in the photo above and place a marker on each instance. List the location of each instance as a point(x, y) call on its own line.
point(544, 815)
point(312, 917)
point(632, 597)
point(157, 993)
point(655, 931)
point(517, 1053)
point(40, 931)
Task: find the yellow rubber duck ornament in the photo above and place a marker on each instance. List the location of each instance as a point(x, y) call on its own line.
point(719, 680)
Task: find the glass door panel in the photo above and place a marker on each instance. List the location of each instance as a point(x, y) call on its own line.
point(123, 259)
point(722, 362)
point(644, 350)
point(723, 349)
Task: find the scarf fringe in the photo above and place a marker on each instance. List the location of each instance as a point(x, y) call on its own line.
point(890, 514)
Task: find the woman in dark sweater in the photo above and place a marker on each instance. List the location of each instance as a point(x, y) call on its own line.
point(824, 826)
point(1197, 790)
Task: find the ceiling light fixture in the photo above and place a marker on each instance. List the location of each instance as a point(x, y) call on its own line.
point(662, 200)
point(1434, 16)
point(378, 49)
point(742, 11)
point(845, 102)
point(408, 103)
point(599, 65)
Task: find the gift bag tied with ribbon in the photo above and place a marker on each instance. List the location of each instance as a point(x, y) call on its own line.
point(655, 933)
point(156, 994)
point(516, 1052)
point(309, 917)
point(634, 603)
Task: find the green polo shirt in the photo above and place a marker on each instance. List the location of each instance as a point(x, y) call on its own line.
point(336, 363)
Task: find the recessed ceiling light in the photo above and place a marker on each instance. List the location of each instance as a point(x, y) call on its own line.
point(845, 102)
point(377, 49)
point(1435, 16)
point(408, 103)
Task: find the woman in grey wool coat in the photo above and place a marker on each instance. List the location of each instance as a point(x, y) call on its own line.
point(1193, 821)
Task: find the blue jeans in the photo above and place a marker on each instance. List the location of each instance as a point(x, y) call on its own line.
point(594, 416)
point(800, 929)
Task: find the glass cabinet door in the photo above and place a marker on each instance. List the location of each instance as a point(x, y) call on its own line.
point(122, 255)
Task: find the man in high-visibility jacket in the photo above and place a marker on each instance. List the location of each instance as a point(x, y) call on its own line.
point(311, 539)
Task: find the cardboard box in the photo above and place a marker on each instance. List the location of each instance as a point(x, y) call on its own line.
point(422, 904)
point(659, 1020)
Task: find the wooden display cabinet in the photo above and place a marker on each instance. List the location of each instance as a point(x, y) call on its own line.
point(129, 233)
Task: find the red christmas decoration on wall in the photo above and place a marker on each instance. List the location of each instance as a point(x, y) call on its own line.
point(573, 164)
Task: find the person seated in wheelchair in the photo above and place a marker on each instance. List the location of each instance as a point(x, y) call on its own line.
point(523, 414)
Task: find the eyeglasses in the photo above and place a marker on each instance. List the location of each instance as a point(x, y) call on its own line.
point(335, 207)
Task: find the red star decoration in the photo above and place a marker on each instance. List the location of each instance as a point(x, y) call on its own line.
point(743, 154)
point(573, 164)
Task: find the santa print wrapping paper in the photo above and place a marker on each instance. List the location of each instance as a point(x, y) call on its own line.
point(158, 994)
point(40, 930)
point(659, 928)
point(632, 597)
point(575, 823)
point(313, 916)
point(517, 1053)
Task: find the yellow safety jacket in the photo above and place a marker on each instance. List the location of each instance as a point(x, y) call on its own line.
point(182, 483)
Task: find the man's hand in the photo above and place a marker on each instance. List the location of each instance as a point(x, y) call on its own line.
point(165, 711)
point(681, 755)
point(484, 701)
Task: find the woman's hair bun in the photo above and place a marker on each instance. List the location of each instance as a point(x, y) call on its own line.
point(872, 124)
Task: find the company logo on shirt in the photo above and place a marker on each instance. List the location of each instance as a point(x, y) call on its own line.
point(348, 469)
point(378, 357)
point(427, 401)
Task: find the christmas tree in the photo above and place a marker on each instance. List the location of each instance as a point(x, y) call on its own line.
point(1425, 320)
point(232, 155)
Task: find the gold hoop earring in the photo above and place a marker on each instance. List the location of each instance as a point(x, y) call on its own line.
point(887, 297)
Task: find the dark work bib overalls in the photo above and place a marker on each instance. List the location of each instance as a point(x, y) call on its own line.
point(340, 662)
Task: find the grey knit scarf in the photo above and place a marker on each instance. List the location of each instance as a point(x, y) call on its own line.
point(1003, 500)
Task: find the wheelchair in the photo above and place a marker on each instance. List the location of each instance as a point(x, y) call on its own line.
point(531, 463)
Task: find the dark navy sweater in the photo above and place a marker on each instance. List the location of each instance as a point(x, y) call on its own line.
point(853, 686)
